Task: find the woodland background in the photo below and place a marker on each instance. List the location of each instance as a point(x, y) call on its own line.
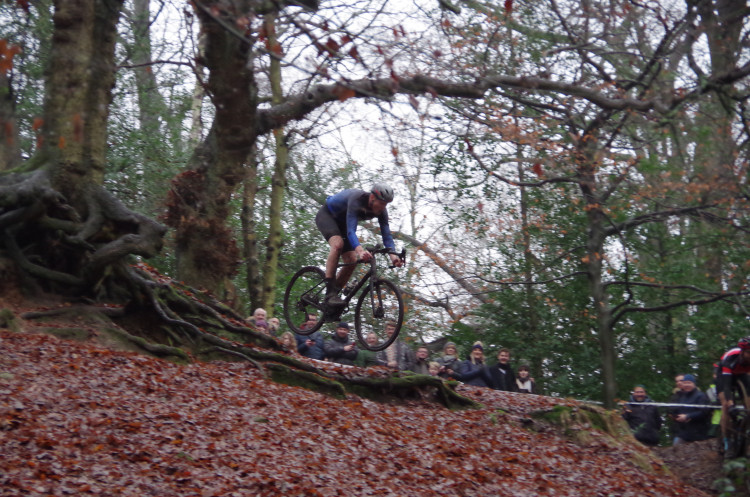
point(571, 176)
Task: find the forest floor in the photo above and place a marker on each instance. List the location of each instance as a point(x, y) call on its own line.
point(83, 418)
point(698, 463)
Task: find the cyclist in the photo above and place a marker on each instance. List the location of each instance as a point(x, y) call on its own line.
point(734, 366)
point(337, 220)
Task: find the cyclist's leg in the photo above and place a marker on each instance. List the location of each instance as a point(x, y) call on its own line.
point(345, 273)
point(724, 422)
point(331, 231)
point(336, 244)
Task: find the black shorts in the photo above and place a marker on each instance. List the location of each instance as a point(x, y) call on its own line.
point(721, 380)
point(329, 227)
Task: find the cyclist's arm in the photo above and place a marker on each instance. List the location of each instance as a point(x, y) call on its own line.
point(352, 221)
point(385, 230)
point(726, 388)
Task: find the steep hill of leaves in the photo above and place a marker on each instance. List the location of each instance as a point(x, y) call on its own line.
point(76, 418)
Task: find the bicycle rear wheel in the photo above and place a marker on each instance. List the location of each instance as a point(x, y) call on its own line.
point(304, 296)
point(377, 305)
point(739, 423)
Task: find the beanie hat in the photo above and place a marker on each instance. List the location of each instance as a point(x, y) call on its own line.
point(449, 344)
point(477, 345)
point(689, 377)
point(343, 324)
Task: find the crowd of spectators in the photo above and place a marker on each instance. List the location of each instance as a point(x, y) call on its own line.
point(688, 413)
point(687, 417)
point(339, 347)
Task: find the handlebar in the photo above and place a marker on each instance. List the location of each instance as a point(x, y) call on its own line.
point(379, 249)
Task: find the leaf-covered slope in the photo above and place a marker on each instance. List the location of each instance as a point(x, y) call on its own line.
point(80, 419)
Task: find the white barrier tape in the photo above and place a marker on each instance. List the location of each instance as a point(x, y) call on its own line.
point(666, 404)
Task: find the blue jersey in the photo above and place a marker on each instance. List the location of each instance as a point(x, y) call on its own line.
point(349, 207)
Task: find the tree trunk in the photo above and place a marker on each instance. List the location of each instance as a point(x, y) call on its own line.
point(10, 153)
point(79, 90)
point(196, 103)
point(250, 235)
point(199, 203)
point(532, 303)
point(150, 104)
point(278, 185)
point(588, 168)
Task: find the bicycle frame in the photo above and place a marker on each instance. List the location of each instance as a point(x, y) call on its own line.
point(370, 276)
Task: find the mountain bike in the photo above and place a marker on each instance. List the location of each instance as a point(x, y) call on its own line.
point(379, 302)
point(738, 427)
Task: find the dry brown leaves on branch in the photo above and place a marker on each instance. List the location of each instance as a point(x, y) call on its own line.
point(80, 419)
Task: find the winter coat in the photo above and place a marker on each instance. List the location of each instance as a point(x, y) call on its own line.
point(334, 350)
point(473, 374)
point(421, 367)
point(503, 377)
point(697, 427)
point(449, 362)
point(527, 386)
point(313, 352)
point(367, 358)
point(645, 421)
point(404, 358)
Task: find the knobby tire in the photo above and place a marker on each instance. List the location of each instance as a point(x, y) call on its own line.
point(378, 304)
point(304, 295)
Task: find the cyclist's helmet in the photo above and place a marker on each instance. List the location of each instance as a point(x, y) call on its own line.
point(382, 191)
point(744, 343)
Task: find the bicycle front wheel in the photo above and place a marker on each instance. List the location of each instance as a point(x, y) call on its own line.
point(377, 305)
point(304, 297)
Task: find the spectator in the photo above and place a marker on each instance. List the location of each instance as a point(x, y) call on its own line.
point(258, 320)
point(398, 355)
point(713, 397)
point(473, 371)
point(501, 374)
point(449, 359)
point(273, 326)
point(421, 363)
point(524, 381)
point(310, 345)
point(339, 348)
point(690, 423)
point(288, 341)
point(434, 368)
point(676, 390)
point(645, 421)
point(677, 386)
point(367, 358)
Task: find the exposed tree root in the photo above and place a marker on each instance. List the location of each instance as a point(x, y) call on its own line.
point(243, 356)
point(157, 349)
